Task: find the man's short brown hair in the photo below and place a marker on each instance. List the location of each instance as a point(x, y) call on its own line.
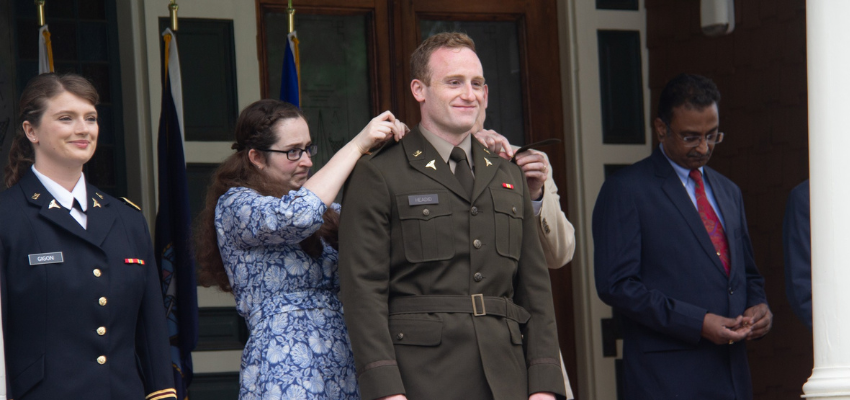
point(420, 57)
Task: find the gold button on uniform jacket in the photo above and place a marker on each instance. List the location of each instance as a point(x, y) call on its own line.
point(445, 296)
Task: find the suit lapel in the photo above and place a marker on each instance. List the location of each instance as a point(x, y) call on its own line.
point(100, 216)
point(486, 165)
point(678, 195)
point(39, 197)
point(423, 157)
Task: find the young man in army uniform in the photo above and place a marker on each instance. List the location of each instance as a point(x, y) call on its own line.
point(444, 281)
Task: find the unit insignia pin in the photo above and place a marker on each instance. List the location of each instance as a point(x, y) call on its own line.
point(53, 204)
point(431, 165)
point(95, 203)
point(99, 195)
point(35, 196)
point(417, 153)
point(485, 150)
point(487, 162)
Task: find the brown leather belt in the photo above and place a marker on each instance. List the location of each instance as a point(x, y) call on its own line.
point(477, 304)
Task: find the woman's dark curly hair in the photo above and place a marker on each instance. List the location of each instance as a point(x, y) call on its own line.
point(253, 131)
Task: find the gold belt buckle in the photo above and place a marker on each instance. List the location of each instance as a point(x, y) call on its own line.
point(475, 305)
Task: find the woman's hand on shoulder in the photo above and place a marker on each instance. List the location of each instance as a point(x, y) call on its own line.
point(379, 130)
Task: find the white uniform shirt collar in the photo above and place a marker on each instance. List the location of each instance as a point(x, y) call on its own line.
point(66, 198)
point(62, 195)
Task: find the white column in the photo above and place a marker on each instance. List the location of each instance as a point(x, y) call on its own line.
point(828, 40)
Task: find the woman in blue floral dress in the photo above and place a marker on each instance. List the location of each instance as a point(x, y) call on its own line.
point(268, 235)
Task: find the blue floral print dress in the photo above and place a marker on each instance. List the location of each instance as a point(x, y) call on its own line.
point(299, 347)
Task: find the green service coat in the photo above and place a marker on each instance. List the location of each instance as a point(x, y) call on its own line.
point(408, 229)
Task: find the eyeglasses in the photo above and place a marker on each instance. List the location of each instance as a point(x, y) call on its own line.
point(695, 140)
point(295, 154)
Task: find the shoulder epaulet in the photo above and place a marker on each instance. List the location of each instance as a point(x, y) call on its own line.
point(130, 203)
point(388, 144)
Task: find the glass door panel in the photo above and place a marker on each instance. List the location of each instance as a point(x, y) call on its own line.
point(335, 85)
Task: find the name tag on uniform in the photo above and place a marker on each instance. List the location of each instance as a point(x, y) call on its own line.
point(419, 199)
point(46, 258)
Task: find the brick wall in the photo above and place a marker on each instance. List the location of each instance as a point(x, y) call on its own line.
point(760, 70)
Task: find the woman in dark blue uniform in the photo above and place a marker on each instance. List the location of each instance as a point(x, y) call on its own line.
point(83, 310)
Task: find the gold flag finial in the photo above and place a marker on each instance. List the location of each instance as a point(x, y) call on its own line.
point(172, 11)
point(291, 12)
point(40, 5)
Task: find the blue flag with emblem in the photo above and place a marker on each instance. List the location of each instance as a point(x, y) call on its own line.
point(173, 221)
point(290, 77)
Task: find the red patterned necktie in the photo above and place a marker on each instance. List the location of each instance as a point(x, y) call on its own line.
point(710, 220)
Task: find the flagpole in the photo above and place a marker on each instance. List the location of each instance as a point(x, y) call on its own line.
point(172, 10)
point(40, 5)
point(291, 12)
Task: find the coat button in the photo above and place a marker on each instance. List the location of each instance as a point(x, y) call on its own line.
point(399, 336)
point(476, 243)
point(474, 211)
point(96, 273)
point(731, 292)
point(101, 360)
point(426, 212)
point(513, 209)
point(101, 301)
point(478, 277)
point(101, 330)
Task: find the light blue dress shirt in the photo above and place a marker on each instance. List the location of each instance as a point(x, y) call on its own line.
point(690, 186)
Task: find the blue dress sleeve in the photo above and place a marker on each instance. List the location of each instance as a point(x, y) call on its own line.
point(245, 219)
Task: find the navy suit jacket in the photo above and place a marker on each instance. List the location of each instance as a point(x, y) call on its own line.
point(797, 245)
point(60, 318)
point(656, 265)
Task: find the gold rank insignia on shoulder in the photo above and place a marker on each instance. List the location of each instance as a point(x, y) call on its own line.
point(417, 153)
point(431, 165)
point(130, 203)
point(95, 204)
point(134, 261)
point(487, 162)
point(53, 204)
point(99, 195)
point(35, 196)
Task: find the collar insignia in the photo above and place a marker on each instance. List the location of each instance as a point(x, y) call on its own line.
point(53, 204)
point(431, 165)
point(485, 150)
point(487, 162)
point(35, 196)
point(99, 195)
point(95, 204)
point(417, 153)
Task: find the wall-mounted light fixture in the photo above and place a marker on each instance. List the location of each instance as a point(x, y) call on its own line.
point(717, 17)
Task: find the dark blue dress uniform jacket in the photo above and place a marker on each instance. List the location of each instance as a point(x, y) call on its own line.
point(656, 265)
point(92, 326)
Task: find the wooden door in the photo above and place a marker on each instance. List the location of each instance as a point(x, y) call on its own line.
point(517, 41)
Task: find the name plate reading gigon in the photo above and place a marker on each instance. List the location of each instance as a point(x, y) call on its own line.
point(46, 258)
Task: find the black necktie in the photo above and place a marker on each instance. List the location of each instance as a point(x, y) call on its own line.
point(77, 205)
point(462, 171)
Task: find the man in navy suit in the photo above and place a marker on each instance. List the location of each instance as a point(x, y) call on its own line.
point(797, 246)
point(673, 257)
